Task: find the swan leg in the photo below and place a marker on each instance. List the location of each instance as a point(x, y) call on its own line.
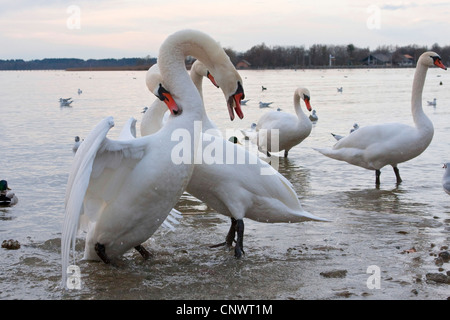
point(377, 177)
point(397, 175)
point(231, 233)
point(230, 236)
point(144, 253)
point(286, 153)
point(100, 250)
point(239, 248)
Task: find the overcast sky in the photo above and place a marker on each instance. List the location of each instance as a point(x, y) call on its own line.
point(36, 29)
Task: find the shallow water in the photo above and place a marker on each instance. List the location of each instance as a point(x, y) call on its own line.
point(395, 230)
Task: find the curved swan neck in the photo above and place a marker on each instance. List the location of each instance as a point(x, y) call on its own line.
point(197, 79)
point(297, 105)
point(172, 55)
point(420, 118)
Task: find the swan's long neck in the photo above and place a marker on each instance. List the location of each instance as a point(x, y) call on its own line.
point(171, 63)
point(152, 120)
point(197, 79)
point(297, 106)
point(420, 118)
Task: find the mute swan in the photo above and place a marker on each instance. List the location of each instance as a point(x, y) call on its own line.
point(154, 118)
point(7, 197)
point(238, 184)
point(446, 178)
point(125, 189)
point(292, 129)
point(373, 147)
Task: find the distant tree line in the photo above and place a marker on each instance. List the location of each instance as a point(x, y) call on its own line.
point(260, 57)
point(69, 63)
point(319, 55)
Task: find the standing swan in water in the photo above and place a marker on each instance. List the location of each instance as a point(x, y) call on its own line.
point(123, 190)
point(292, 129)
point(373, 147)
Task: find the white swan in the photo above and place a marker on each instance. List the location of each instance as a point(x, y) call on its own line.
point(373, 147)
point(155, 117)
point(125, 189)
point(446, 178)
point(238, 184)
point(292, 129)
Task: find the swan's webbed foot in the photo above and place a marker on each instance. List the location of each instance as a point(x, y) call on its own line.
point(144, 252)
point(100, 250)
point(230, 236)
point(237, 226)
point(397, 175)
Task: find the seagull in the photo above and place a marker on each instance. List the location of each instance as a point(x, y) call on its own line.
point(264, 104)
point(432, 103)
point(446, 178)
point(313, 117)
point(77, 143)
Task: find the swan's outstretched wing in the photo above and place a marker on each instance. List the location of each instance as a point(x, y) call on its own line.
point(99, 162)
point(129, 130)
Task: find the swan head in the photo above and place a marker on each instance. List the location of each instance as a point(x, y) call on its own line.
point(154, 83)
point(234, 102)
point(199, 68)
point(431, 58)
point(233, 93)
point(305, 96)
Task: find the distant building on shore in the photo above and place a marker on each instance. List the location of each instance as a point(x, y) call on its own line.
point(243, 64)
point(377, 59)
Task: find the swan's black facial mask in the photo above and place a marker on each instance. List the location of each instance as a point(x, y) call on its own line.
point(167, 98)
point(236, 100)
point(438, 62)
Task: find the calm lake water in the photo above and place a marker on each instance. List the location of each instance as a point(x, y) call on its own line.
point(381, 244)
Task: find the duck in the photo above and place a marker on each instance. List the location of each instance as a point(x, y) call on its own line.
point(123, 190)
point(375, 146)
point(292, 129)
point(446, 178)
point(7, 197)
point(242, 186)
point(313, 117)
